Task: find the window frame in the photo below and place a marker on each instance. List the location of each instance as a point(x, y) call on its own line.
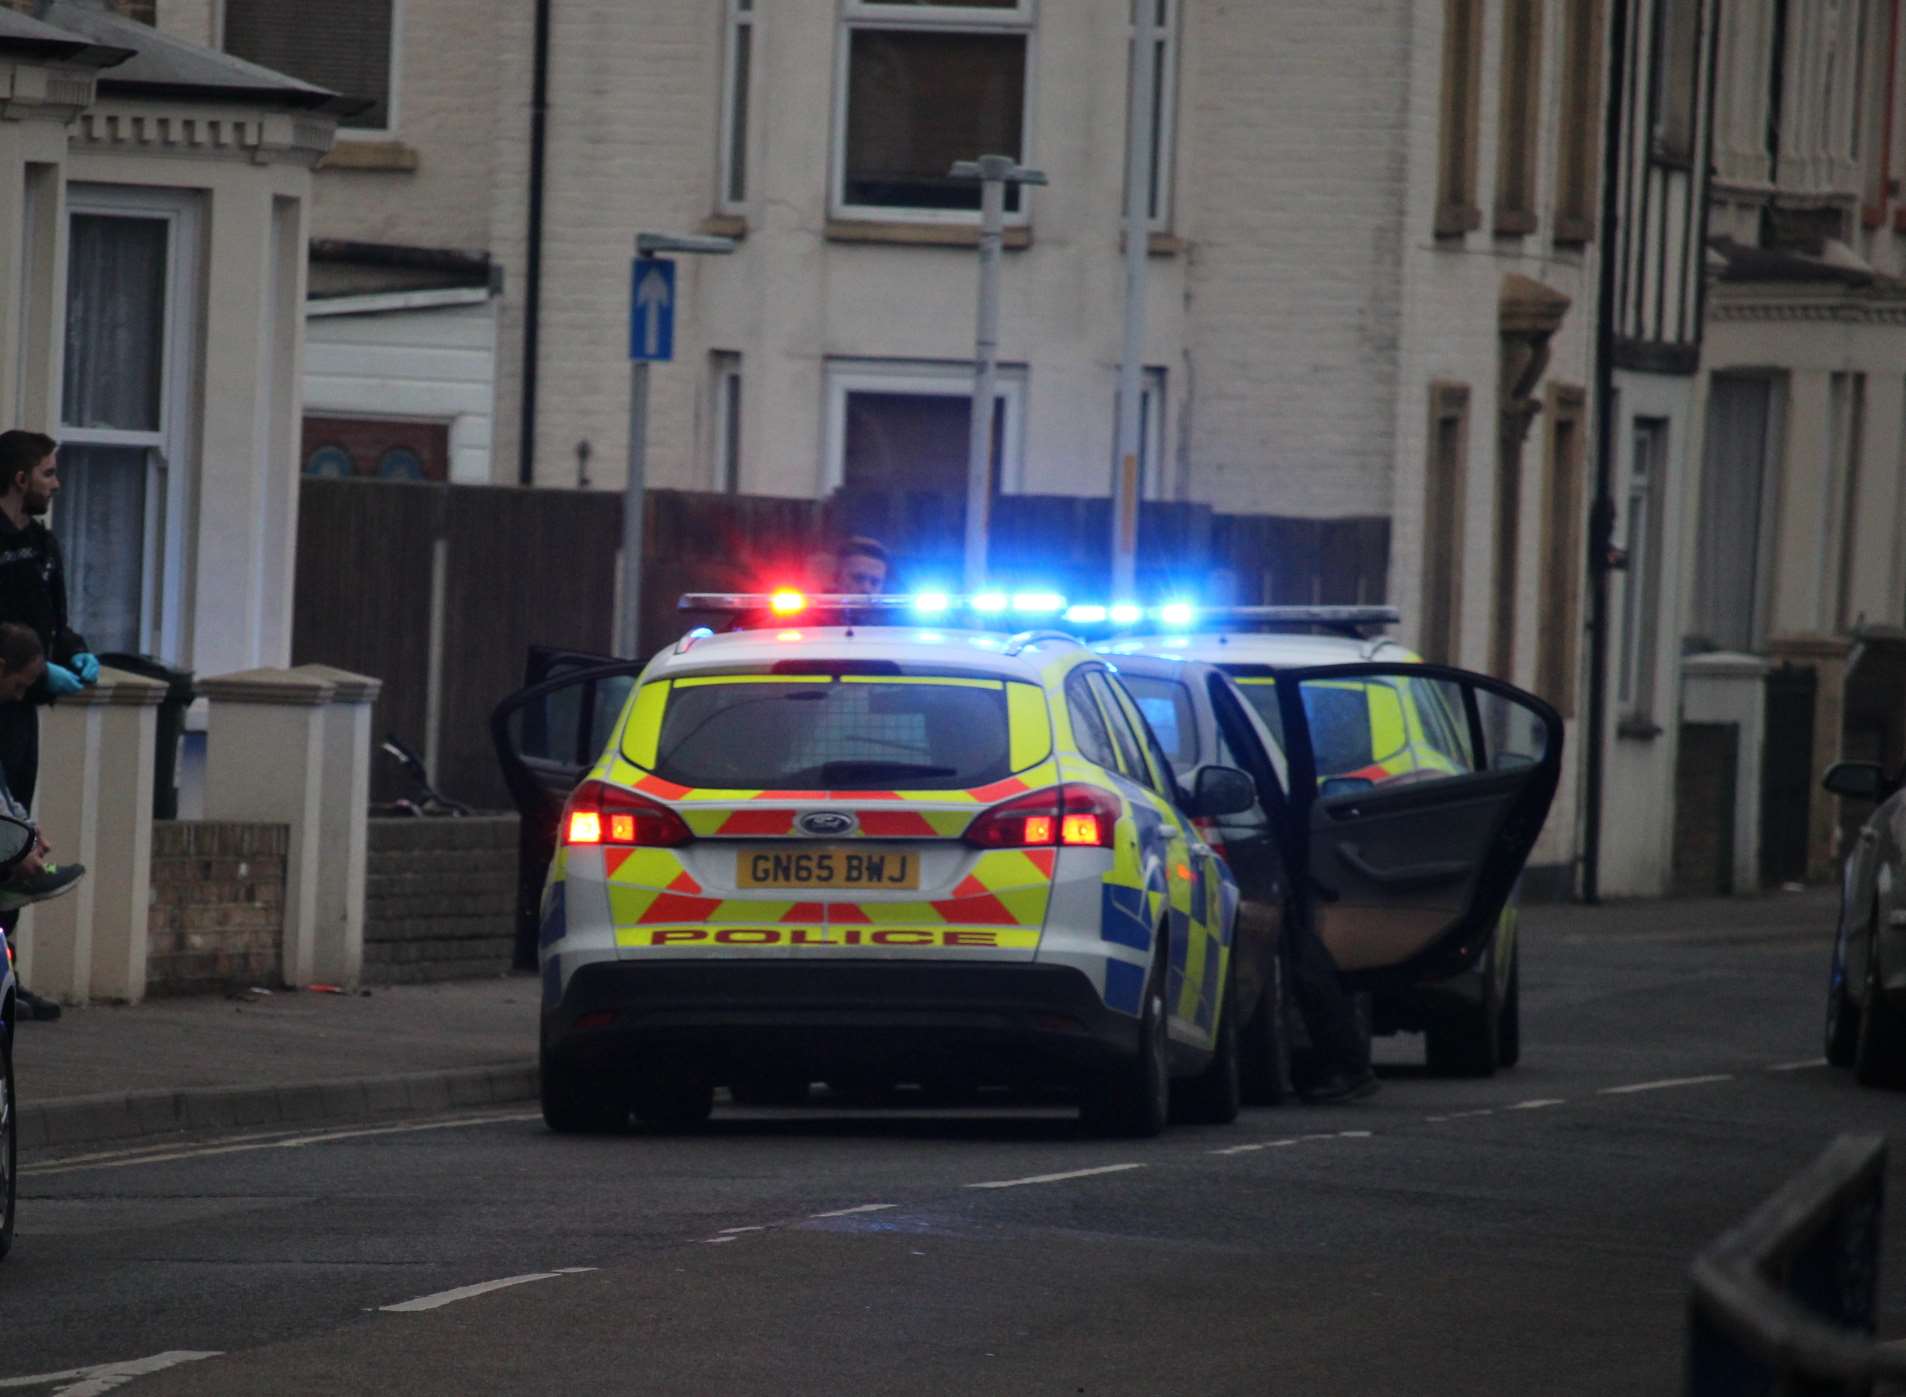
point(1152, 407)
point(725, 417)
point(1459, 109)
point(393, 115)
point(171, 448)
point(1445, 497)
point(1558, 646)
point(1637, 668)
point(926, 378)
point(1521, 68)
point(872, 15)
point(1160, 201)
point(1079, 699)
point(737, 109)
point(1668, 107)
point(1578, 132)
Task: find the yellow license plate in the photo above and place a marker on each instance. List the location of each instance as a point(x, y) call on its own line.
point(826, 868)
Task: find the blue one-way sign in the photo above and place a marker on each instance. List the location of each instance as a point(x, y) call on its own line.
point(652, 310)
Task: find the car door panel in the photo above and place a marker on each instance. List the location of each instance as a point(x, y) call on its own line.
point(547, 736)
point(1412, 856)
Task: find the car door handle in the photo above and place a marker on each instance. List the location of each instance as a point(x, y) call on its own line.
point(1410, 875)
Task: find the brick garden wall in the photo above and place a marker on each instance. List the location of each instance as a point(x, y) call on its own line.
point(440, 904)
point(218, 906)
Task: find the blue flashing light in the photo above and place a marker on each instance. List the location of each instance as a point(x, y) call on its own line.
point(1177, 613)
point(1038, 603)
point(1127, 613)
point(989, 603)
point(1085, 615)
point(700, 633)
point(932, 603)
point(929, 637)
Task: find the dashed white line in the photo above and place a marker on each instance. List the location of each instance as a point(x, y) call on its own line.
point(717, 1241)
point(850, 1212)
point(1462, 1115)
point(1260, 1145)
point(756, 1227)
point(1057, 1178)
point(1666, 1083)
point(466, 1292)
point(1539, 1103)
point(1801, 1066)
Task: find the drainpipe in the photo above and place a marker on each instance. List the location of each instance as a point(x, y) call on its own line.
point(1601, 515)
point(533, 276)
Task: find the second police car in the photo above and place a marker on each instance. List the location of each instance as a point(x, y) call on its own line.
point(814, 850)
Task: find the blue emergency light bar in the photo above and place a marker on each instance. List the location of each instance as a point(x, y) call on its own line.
point(994, 605)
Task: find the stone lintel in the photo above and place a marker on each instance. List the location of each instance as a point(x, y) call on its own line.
point(285, 687)
point(349, 687)
point(116, 688)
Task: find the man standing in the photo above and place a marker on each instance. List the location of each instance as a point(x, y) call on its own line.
point(33, 594)
point(860, 568)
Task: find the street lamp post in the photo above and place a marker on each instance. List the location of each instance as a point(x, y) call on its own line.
point(994, 173)
point(653, 306)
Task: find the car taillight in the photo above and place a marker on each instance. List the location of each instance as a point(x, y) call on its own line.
point(1074, 816)
point(602, 814)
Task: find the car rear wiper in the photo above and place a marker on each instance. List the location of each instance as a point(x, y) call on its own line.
point(848, 773)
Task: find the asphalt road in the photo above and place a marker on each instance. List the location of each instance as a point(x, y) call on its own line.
point(1529, 1233)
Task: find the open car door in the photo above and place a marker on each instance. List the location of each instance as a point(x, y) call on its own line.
point(1417, 794)
point(548, 735)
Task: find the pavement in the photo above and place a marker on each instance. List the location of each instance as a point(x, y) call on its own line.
point(113, 1073)
point(123, 1072)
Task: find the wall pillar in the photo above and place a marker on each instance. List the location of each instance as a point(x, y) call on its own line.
point(95, 808)
point(265, 763)
point(1826, 656)
point(344, 815)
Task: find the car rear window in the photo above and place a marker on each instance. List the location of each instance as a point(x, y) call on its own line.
point(1166, 705)
point(1339, 721)
point(773, 732)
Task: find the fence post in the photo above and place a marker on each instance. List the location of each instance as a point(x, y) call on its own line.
point(264, 763)
point(95, 808)
point(344, 815)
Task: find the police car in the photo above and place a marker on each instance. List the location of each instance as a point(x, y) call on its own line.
point(852, 838)
point(1377, 735)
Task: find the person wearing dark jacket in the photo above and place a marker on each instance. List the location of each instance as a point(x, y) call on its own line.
point(33, 594)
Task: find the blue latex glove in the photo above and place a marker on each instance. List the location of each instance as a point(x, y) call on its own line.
point(87, 668)
point(61, 681)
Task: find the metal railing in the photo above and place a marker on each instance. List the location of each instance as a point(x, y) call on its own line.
point(1784, 1303)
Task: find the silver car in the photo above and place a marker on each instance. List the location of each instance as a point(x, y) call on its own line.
point(1866, 990)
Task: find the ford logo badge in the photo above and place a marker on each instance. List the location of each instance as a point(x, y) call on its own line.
point(826, 823)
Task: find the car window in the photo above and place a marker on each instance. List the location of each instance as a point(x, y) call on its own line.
point(1154, 770)
point(1088, 724)
point(768, 732)
point(1130, 761)
point(1166, 705)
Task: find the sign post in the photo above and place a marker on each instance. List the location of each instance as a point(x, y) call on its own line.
point(652, 302)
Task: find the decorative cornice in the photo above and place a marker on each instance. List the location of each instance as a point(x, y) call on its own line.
point(29, 91)
point(264, 138)
point(1843, 312)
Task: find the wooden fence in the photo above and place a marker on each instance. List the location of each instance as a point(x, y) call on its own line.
point(440, 589)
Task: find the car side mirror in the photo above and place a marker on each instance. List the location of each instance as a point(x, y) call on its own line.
point(1344, 786)
point(1856, 781)
point(16, 842)
point(1222, 790)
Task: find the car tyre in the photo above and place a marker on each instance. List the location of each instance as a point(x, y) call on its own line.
point(1268, 1078)
point(1133, 1099)
point(1843, 1015)
point(9, 1145)
point(579, 1104)
point(1879, 1056)
point(674, 1101)
point(1216, 1094)
point(1509, 1022)
point(1468, 1043)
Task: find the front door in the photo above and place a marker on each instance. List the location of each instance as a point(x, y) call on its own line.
point(1417, 794)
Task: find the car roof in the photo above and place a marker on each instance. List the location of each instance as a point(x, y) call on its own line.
point(915, 649)
point(1280, 650)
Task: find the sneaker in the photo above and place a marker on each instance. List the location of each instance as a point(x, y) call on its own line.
point(55, 880)
point(1343, 1086)
point(45, 1010)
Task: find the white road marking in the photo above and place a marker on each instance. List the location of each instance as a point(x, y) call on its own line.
point(465, 1292)
point(1537, 1104)
point(754, 1227)
point(849, 1212)
point(293, 1143)
point(104, 1377)
point(717, 1241)
point(1665, 1083)
point(1355, 1134)
point(1463, 1115)
point(1058, 1178)
point(1801, 1066)
point(1260, 1145)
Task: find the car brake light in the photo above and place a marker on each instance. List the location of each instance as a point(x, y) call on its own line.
point(602, 814)
point(1074, 816)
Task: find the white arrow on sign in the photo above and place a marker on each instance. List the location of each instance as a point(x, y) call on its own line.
point(651, 300)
